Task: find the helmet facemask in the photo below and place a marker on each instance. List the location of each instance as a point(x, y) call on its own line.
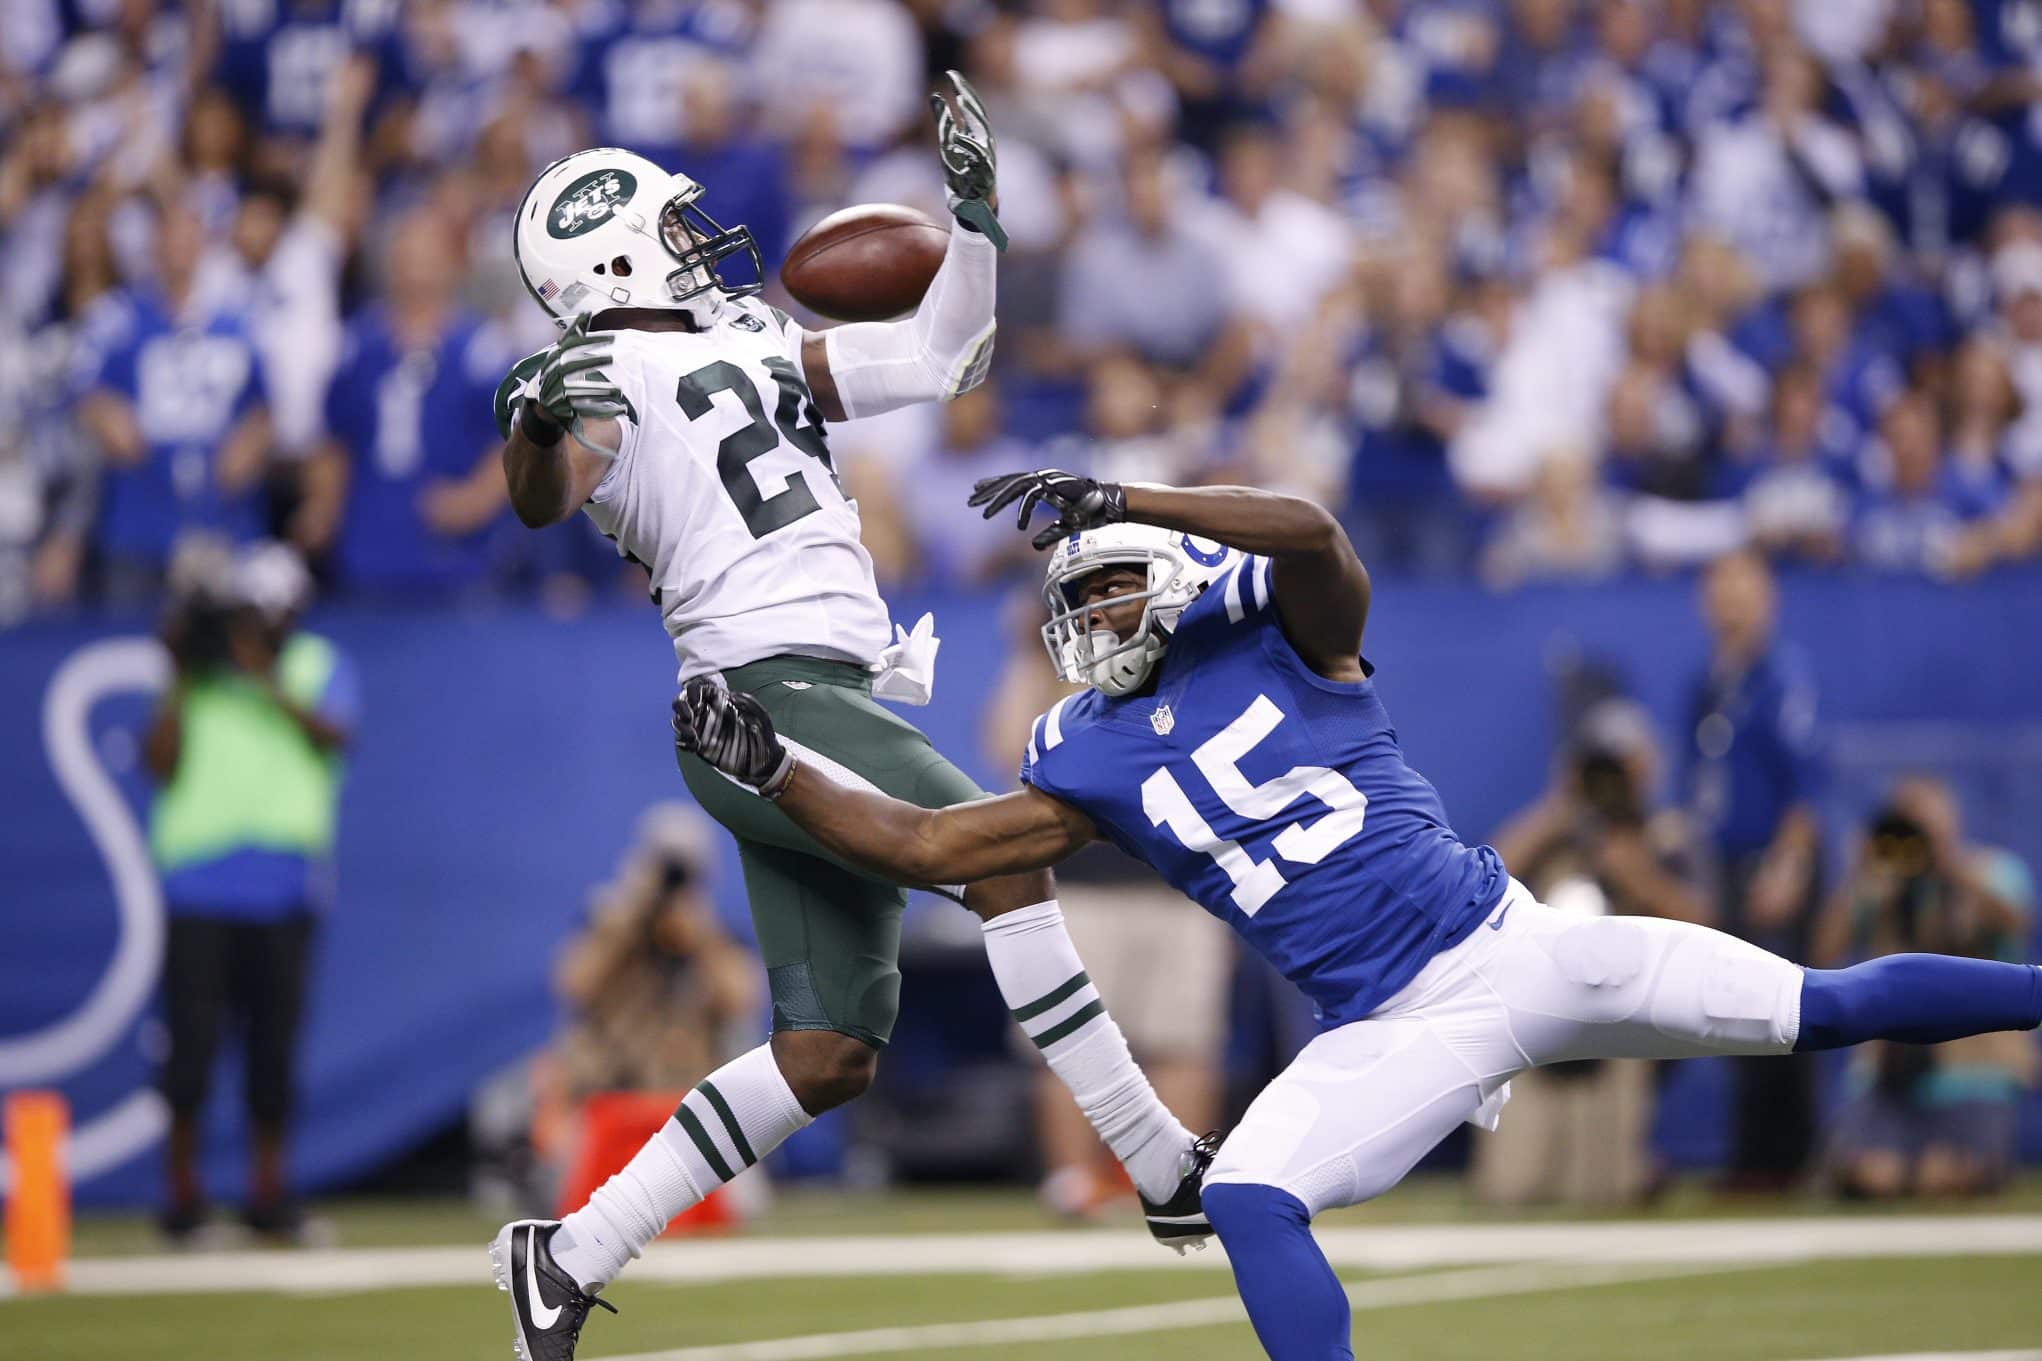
point(1085, 655)
point(697, 243)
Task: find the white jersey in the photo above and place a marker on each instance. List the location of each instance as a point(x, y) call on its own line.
point(723, 490)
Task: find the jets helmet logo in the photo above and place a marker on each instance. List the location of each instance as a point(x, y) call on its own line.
point(588, 202)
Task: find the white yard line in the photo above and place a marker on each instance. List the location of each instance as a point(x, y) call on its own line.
point(1479, 1283)
point(1403, 1247)
point(1921, 1356)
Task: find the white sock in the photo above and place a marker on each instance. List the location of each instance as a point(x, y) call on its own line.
point(1046, 988)
point(734, 1117)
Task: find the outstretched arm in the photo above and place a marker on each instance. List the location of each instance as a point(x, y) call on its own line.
point(943, 349)
point(1321, 588)
point(892, 838)
point(962, 844)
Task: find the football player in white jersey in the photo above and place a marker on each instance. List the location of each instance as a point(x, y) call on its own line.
point(686, 418)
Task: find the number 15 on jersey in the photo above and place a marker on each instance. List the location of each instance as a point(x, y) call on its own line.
point(1218, 760)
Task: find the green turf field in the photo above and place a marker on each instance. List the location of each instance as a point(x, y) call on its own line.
point(1952, 1300)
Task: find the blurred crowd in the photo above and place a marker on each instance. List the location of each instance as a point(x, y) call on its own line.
point(1529, 288)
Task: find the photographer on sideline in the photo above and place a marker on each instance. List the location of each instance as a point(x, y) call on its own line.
point(1935, 1120)
point(246, 752)
point(657, 996)
point(1577, 1132)
point(654, 983)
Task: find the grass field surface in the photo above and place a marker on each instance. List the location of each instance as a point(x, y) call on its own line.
point(1678, 1283)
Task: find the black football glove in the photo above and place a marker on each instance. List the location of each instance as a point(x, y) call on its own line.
point(1080, 502)
point(964, 140)
point(732, 732)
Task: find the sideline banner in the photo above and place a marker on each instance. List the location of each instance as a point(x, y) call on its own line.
point(504, 756)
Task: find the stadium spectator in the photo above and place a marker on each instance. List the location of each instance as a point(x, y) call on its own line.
point(283, 256)
point(1602, 227)
point(1128, 434)
point(746, 169)
point(1912, 523)
point(179, 412)
point(1753, 774)
point(950, 547)
point(1077, 73)
point(409, 481)
point(48, 469)
point(1138, 278)
point(1216, 58)
point(861, 59)
point(1935, 1120)
point(1795, 500)
point(1258, 219)
point(1569, 527)
point(245, 750)
point(1989, 431)
point(1552, 375)
point(1768, 179)
point(278, 60)
point(36, 184)
point(1418, 358)
point(45, 496)
point(1599, 841)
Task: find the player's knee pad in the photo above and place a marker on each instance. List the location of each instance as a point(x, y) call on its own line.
point(1607, 964)
point(1725, 994)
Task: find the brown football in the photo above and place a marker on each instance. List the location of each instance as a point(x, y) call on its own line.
point(865, 263)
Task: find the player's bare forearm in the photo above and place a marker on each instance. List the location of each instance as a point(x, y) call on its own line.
point(537, 475)
point(1322, 590)
point(1241, 517)
point(548, 482)
point(923, 847)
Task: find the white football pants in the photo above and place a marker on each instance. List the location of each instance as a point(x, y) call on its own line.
point(1363, 1103)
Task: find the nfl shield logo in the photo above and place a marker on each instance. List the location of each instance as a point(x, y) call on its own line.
point(1162, 720)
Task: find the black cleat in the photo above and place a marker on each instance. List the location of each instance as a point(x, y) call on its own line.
point(547, 1304)
point(1180, 1221)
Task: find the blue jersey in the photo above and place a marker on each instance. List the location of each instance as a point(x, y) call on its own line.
point(410, 418)
point(189, 386)
point(277, 57)
point(1276, 799)
point(1754, 755)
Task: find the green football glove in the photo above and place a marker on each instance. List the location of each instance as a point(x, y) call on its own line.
point(964, 139)
point(571, 385)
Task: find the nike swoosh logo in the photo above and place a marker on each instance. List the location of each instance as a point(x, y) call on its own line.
point(543, 1317)
point(1496, 922)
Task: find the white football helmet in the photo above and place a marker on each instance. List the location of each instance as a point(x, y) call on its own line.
point(608, 228)
point(1178, 567)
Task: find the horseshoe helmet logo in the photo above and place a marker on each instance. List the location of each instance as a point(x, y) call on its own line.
point(106, 1015)
point(589, 202)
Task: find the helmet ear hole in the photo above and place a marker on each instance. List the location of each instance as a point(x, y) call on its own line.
point(621, 267)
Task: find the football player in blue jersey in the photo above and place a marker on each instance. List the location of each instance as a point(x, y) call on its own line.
point(1232, 738)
